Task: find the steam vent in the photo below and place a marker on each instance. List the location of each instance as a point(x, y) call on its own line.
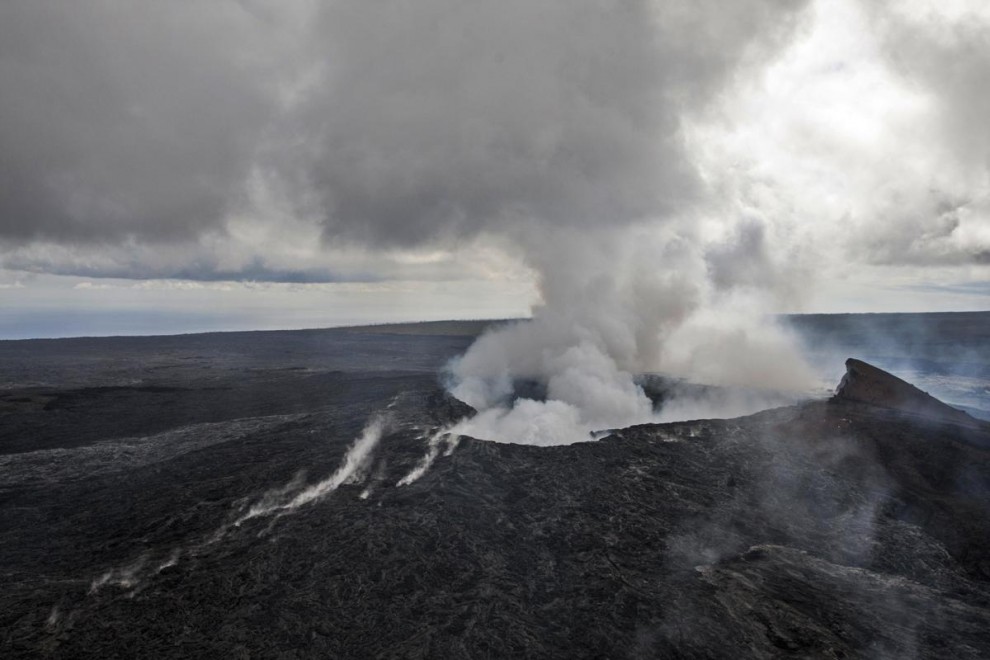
point(868, 384)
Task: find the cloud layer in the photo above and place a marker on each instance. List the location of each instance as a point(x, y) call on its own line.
point(267, 140)
point(129, 119)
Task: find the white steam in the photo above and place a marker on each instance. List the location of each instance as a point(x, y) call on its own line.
point(610, 316)
point(440, 439)
point(124, 577)
point(529, 422)
point(275, 503)
point(352, 469)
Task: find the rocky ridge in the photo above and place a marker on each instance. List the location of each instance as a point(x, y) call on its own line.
point(866, 383)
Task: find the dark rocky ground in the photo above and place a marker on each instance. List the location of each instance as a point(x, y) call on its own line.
point(826, 529)
point(946, 354)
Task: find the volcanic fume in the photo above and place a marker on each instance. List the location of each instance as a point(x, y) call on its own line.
point(557, 133)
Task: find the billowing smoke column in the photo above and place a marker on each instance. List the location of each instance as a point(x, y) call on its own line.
point(554, 129)
point(588, 351)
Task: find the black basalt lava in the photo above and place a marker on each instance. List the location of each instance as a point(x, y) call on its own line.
point(826, 529)
point(866, 383)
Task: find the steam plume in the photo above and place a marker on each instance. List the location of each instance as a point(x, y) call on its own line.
point(556, 131)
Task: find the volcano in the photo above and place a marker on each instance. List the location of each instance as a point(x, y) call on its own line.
point(151, 506)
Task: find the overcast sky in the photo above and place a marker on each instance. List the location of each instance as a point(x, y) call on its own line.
point(182, 166)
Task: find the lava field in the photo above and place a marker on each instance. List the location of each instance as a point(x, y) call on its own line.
point(288, 495)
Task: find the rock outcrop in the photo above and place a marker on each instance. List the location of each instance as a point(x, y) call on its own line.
point(865, 383)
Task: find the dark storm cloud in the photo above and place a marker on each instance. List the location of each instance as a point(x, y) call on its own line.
point(126, 118)
point(392, 123)
point(444, 119)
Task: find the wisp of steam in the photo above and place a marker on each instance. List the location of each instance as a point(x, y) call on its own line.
point(351, 468)
point(275, 503)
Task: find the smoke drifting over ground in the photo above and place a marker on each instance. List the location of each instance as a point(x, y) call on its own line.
point(353, 468)
point(272, 505)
